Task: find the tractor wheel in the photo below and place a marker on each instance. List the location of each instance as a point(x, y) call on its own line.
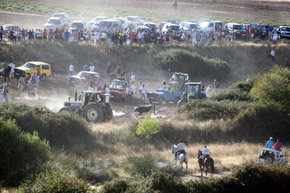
point(65, 110)
point(176, 100)
point(93, 113)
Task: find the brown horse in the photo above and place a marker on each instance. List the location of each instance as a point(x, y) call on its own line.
point(207, 163)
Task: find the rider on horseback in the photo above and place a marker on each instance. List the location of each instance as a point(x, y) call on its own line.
point(205, 153)
point(180, 149)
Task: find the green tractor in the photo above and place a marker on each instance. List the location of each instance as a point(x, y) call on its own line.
point(192, 91)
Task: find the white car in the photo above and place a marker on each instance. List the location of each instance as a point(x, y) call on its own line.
point(188, 26)
point(108, 25)
point(95, 21)
point(63, 16)
point(212, 26)
point(135, 20)
point(125, 23)
point(271, 156)
point(174, 27)
point(78, 26)
point(54, 23)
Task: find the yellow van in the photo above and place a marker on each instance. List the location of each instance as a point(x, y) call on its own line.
point(31, 67)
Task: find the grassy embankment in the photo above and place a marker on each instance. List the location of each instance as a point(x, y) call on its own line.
point(232, 63)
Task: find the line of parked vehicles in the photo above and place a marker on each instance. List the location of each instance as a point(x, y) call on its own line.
point(61, 21)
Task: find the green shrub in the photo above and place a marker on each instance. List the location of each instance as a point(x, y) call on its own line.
point(62, 130)
point(245, 85)
point(142, 166)
point(260, 121)
point(273, 87)
point(55, 181)
point(233, 95)
point(119, 186)
point(212, 110)
point(197, 66)
point(166, 184)
point(148, 127)
point(22, 155)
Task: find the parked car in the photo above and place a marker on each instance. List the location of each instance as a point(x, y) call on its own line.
point(212, 26)
point(54, 23)
point(152, 26)
point(63, 16)
point(271, 156)
point(174, 21)
point(95, 21)
point(109, 25)
point(83, 78)
point(9, 27)
point(284, 31)
point(174, 27)
point(188, 26)
point(78, 26)
point(31, 67)
point(125, 23)
point(135, 20)
point(238, 30)
point(164, 94)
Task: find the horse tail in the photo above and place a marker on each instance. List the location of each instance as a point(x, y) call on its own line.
point(212, 166)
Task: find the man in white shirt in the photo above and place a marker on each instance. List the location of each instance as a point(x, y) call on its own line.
point(71, 70)
point(205, 152)
point(12, 65)
point(92, 68)
point(143, 92)
point(180, 149)
point(107, 92)
point(133, 77)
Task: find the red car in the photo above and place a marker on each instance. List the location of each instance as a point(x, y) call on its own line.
point(118, 89)
point(84, 78)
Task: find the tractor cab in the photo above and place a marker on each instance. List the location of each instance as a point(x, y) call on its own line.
point(178, 80)
point(192, 91)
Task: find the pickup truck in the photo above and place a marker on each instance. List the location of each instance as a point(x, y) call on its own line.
point(163, 94)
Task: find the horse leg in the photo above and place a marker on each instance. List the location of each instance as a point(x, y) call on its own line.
point(186, 167)
point(201, 171)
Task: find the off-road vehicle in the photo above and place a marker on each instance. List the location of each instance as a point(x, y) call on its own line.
point(271, 156)
point(90, 105)
point(192, 91)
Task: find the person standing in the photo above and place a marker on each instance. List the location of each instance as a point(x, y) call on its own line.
point(12, 65)
point(71, 69)
point(52, 72)
point(270, 143)
point(143, 92)
point(92, 68)
point(272, 55)
point(1, 33)
point(86, 67)
point(208, 91)
point(278, 145)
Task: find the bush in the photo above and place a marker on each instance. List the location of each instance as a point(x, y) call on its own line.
point(166, 184)
point(62, 130)
point(55, 181)
point(119, 186)
point(212, 110)
point(260, 121)
point(148, 127)
point(197, 66)
point(233, 95)
point(273, 87)
point(22, 155)
point(141, 166)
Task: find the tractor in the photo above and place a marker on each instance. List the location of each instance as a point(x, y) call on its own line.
point(90, 105)
point(192, 91)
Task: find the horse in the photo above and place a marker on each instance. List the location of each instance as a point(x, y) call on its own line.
point(207, 163)
point(182, 157)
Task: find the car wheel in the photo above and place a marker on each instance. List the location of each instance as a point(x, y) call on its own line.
point(93, 113)
point(43, 77)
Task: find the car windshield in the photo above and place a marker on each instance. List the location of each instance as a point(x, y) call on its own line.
point(238, 27)
point(193, 26)
point(285, 29)
point(58, 15)
point(53, 21)
point(174, 27)
point(77, 25)
point(192, 88)
point(29, 65)
point(103, 23)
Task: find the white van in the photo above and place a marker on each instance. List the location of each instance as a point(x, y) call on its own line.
point(108, 25)
point(213, 26)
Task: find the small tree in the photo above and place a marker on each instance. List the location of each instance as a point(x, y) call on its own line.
point(148, 127)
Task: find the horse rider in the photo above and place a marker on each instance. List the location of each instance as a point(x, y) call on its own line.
point(270, 143)
point(180, 149)
point(205, 153)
